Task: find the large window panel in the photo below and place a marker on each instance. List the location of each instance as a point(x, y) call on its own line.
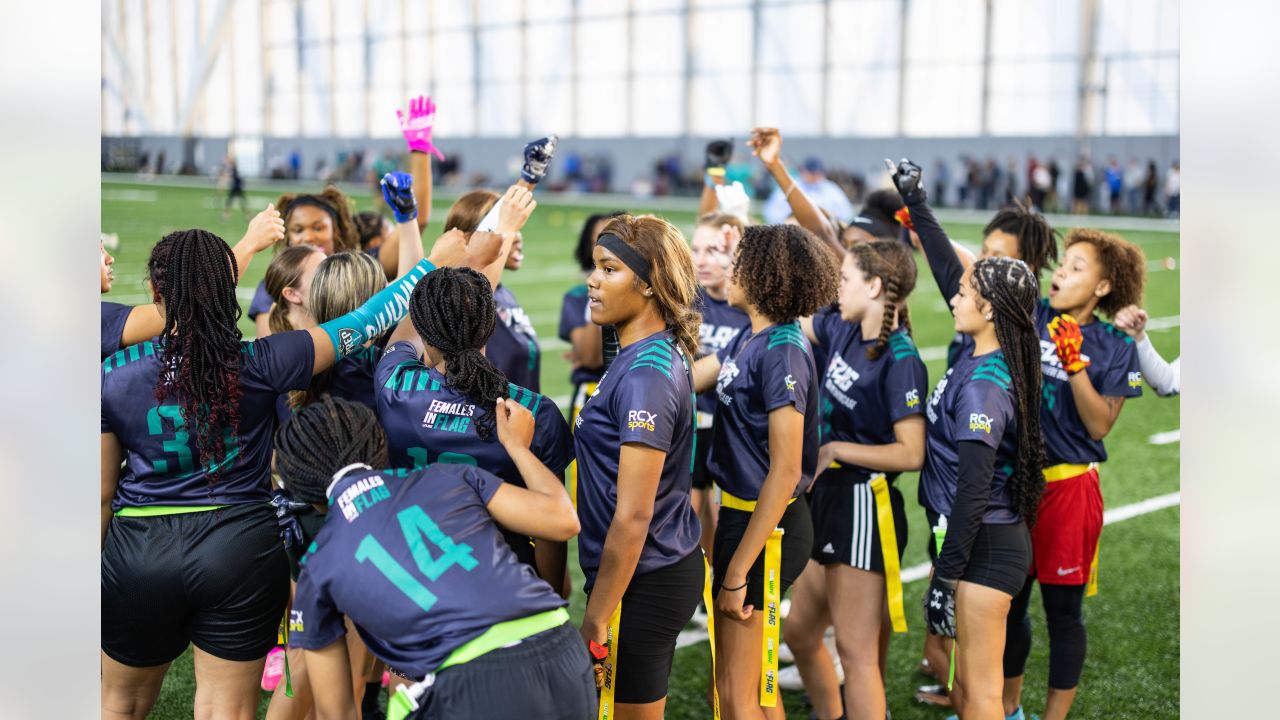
point(544, 10)
point(455, 116)
point(721, 39)
point(386, 68)
point(500, 13)
point(348, 19)
point(422, 58)
point(500, 54)
point(791, 101)
point(1035, 29)
point(648, 6)
point(316, 23)
point(452, 77)
point(943, 100)
point(1033, 98)
point(452, 14)
point(348, 112)
point(720, 103)
point(657, 105)
point(349, 63)
point(862, 101)
point(549, 108)
point(602, 48)
point(601, 8)
point(548, 50)
point(286, 114)
point(246, 64)
point(213, 111)
point(865, 33)
point(659, 43)
point(1142, 97)
point(382, 122)
point(602, 107)
point(790, 36)
point(1137, 26)
point(317, 121)
point(499, 109)
point(944, 31)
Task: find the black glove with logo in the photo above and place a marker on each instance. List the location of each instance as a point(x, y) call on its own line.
point(940, 607)
point(718, 153)
point(537, 155)
point(906, 178)
point(287, 510)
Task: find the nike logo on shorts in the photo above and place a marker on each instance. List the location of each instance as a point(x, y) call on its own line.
point(1068, 571)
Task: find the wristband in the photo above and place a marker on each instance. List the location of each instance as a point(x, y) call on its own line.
point(377, 315)
point(744, 584)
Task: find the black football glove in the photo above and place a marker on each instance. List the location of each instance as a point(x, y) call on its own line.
point(287, 510)
point(718, 153)
point(906, 177)
point(940, 607)
point(537, 155)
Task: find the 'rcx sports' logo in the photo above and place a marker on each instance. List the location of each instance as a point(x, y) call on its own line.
point(913, 398)
point(790, 383)
point(295, 621)
point(1135, 379)
point(641, 419)
point(979, 421)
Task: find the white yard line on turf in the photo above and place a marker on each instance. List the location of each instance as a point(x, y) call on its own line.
point(1165, 438)
point(921, 571)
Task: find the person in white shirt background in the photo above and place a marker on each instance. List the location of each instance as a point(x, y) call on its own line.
point(822, 191)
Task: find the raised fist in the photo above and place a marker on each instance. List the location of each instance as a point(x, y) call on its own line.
point(906, 176)
point(417, 126)
point(537, 155)
point(1064, 331)
point(718, 153)
point(397, 190)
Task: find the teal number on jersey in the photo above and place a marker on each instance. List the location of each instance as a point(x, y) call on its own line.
point(422, 458)
point(418, 529)
point(1049, 395)
point(178, 444)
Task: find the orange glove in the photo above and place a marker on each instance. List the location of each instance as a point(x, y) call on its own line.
point(1064, 331)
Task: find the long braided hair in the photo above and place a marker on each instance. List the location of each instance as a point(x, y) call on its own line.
point(321, 439)
point(1012, 290)
point(194, 273)
point(453, 310)
point(1037, 240)
point(891, 261)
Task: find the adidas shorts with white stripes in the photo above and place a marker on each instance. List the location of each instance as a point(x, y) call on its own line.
point(845, 525)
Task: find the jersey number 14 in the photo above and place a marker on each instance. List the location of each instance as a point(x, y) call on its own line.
point(419, 529)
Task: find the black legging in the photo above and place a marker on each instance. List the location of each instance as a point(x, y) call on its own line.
point(1063, 614)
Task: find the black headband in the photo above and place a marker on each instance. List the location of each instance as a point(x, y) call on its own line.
point(626, 254)
point(874, 225)
point(313, 201)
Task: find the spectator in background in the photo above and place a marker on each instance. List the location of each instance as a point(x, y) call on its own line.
point(1173, 190)
point(820, 190)
point(1134, 180)
point(1115, 183)
point(1041, 187)
point(942, 175)
point(1150, 183)
point(1011, 182)
point(1081, 186)
point(295, 164)
point(1055, 173)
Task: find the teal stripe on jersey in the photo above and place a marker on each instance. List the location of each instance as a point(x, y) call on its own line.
point(422, 381)
point(980, 375)
point(247, 347)
point(406, 380)
point(395, 375)
point(664, 369)
point(995, 367)
point(786, 340)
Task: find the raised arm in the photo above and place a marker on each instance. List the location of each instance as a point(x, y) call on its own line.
point(417, 127)
point(943, 261)
point(1164, 377)
point(265, 229)
point(1098, 412)
point(717, 157)
point(514, 209)
point(766, 144)
point(397, 190)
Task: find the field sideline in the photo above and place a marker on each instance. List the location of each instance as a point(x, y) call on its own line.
point(1133, 664)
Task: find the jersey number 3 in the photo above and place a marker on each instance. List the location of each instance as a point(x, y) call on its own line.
point(419, 529)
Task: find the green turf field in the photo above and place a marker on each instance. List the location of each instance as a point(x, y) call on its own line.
point(1133, 664)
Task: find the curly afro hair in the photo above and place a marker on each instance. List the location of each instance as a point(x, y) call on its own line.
point(1124, 265)
point(785, 271)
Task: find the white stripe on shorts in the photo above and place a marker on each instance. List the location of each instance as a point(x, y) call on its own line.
point(863, 525)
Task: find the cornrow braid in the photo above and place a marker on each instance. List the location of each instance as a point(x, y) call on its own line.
point(321, 439)
point(1012, 290)
point(453, 310)
point(1037, 240)
point(194, 273)
point(891, 261)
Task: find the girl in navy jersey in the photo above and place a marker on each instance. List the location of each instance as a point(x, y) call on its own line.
point(765, 452)
point(576, 327)
point(191, 415)
point(432, 387)
point(125, 325)
point(872, 429)
point(415, 559)
point(1088, 370)
point(634, 444)
point(983, 472)
point(715, 238)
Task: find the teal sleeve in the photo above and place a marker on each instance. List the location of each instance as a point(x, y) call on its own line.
point(379, 314)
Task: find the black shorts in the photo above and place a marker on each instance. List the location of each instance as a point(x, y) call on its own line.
point(846, 525)
point(701, 450)
point(655, 608)
point(218, 579)
point(547, 676)
point(311, 520)
point(1001, 557)
point(797, 541)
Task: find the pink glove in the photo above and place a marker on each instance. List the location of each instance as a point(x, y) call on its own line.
point(417, 126)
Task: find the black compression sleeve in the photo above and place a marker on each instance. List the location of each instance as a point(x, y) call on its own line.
point(943, 261)
point(973, 490)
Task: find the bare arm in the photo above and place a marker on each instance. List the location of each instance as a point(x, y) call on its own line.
point(514, 210)
point(707, 202)
point(542, 508)
point(904, 454)
point(329, 669)
point(409, 251)
point(112, 456)
point(786, 443)
point(144, 322)
point(420, 168)
point(766, 144)
point(1097, 412)
point(588, 346)
point(705, 371)
point(639, 470)
point(551, 558)
point(265, 229)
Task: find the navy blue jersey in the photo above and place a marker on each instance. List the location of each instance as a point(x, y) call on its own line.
point(721, 322)
point(114, 317)
point(862, 398)
point(351, 378)
point(261, 301)
point(513, 348)
point(760, 372)
point(418, 564)
point(161, 463)
point(427, 422)
point(973, 401)
point(646, 398)
point(573, 315)
point(1113, 371)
